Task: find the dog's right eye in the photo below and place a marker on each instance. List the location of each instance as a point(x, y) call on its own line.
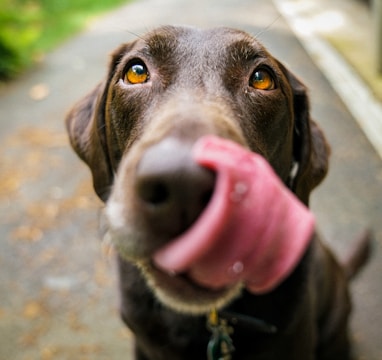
point(262, 79)
point(136, 73)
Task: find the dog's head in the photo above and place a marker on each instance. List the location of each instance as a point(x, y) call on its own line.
point(162, 93)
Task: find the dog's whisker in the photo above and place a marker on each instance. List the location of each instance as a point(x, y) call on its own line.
point(101, 127)
point(264, 30)
point(134, 34)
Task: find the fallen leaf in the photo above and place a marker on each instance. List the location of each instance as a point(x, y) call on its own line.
point(101, 275)
point(10, 184)
point(38, 138)
point(46, 255)
point(27, 233)
point(46, 210)
point(75, 323)
point(125, 333)
point(87, 349)
point(49, 352)
point(39, 92)
point(32, 310)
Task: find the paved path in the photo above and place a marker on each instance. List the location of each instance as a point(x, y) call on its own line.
point(58, 293)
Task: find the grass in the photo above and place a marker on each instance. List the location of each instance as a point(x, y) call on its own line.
point(30, 28)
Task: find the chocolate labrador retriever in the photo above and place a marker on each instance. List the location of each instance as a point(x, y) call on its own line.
point(136, 131)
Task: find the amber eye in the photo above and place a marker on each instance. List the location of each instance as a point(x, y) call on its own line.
point(137, 73)
point(262, 80)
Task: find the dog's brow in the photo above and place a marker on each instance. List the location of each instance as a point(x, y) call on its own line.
point(159, 45)
point(245, 50)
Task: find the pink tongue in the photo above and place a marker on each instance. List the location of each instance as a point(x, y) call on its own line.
point(253, 230)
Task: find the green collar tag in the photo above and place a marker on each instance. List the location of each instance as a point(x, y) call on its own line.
point(220, 346)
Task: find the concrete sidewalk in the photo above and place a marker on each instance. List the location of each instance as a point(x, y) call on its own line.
point(58, 290)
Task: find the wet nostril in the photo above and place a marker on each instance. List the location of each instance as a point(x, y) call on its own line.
point(153, 192)
point(206, 197)
point(171, 188)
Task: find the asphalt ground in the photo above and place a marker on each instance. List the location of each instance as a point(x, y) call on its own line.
point(58, 295)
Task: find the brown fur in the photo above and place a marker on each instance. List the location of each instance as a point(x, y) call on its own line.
point(198, 85)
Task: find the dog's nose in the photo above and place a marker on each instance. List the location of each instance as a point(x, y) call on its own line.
point(172, 189)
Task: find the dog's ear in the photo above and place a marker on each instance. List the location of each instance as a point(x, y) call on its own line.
point(86, 125)
point(310, 148)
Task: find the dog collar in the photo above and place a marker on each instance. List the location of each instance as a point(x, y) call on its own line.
point(221, 327)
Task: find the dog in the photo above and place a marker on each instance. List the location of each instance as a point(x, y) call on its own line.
point(162, 93)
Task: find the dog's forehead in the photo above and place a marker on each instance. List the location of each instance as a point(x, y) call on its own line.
point(194, 42)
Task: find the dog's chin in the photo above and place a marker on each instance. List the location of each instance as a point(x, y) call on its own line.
point(177, 292)
point(182, 295)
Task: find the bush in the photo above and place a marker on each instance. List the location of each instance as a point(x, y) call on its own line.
point(20, 29)
point(28, 28)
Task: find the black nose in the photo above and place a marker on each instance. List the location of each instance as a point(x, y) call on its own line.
point(172, 189)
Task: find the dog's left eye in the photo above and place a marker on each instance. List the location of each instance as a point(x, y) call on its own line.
point(137, 73)
point(262, 79)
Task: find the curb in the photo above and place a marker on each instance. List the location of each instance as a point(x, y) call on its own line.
point(364, 107)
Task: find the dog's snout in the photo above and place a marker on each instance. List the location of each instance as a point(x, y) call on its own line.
point(171, 188)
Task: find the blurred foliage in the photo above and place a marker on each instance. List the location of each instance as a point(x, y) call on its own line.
point(29, 28)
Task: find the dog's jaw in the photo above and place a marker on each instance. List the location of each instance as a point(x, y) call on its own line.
point(175, 291)
point(224, 233)
point(183, 295)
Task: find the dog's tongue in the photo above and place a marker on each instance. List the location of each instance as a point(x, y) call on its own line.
point(253, 230)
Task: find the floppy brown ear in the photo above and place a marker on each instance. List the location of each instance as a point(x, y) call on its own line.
point(86, 133)
point(311, 150)
point(86, 125)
